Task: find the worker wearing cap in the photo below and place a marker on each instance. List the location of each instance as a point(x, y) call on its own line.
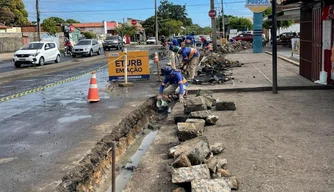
point(206, 44)
point(190, 40)
point(190, 58)
point(173, 47)
point(174, 83)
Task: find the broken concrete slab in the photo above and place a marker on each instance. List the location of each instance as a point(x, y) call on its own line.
point(187, 131)
point(217, 148)
point(212, 164)
point(180, 189)
point(171, 152)
point(201, 122)
point(224, 173)
point(214, 185)
point(225, 106)
point(196, 149)
point(200, 114)
point(181, 161)
point(194, 104)
point(201, 92)
point(233, 182)
point(211, 120)
point(221, 163)
point(206, 102)
point(188, 174)
point(180, 118)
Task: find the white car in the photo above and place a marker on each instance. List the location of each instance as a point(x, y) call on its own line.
point(37, 53)
point(86, 47)
point(150, 40)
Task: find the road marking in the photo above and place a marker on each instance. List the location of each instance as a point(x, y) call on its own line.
point(7, 160)
point(17, 95)
point(257, 69)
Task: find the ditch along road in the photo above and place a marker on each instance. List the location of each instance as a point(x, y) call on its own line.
point(45, 133)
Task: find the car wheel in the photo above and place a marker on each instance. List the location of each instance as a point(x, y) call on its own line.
point(90, 53)
point(17, 65)
point(118, 48)
point(99, 52)
point(41, 61)
point(57, 59)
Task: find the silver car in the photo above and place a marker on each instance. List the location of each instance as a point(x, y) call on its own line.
point(86, 47)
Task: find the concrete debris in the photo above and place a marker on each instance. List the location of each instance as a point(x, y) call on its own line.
point(214, 185)
point(225, 106)
point(180, 189)
point(211, 120)
point(182, 161)
point(223, 173)
point(194, 104)
point(212, 164)
point(180, 118)
point(153, 126)
point(233, 182)
point(206, 101)
point(196, 150)
point(200, 114)
point(188, 174)
point(217, 148)
point(172, 151)
point(204, 93)
point(235, 47)
point(186, 131)
point(201, 122)
point(221, 163)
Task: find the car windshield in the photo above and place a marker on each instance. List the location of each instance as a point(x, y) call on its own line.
point(151, 38)
point(84, 43)
point(112, 38)
point(31, 46)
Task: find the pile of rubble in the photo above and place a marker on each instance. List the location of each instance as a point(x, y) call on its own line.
point(235, 47)
point(194, 159)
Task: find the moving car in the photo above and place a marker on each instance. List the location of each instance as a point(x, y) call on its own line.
point(244, 37)
point(114, 41)
point(86, 47)
point(150, 40)
point(37, 53)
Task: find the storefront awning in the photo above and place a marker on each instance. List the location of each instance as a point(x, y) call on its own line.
point(287, 14)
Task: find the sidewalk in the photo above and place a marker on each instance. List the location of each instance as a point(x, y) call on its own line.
point(6, 56)
point(256, 74)
point(284, 52)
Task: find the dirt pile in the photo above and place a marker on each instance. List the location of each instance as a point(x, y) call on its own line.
point(195, 159)
point(235, 47)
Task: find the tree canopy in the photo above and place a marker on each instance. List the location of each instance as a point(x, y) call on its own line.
point(89, 35)
point(197, 29)
point(70, 21)
point(126, 29)
point(13, 12)
point(268, 24)
point(49, 25)
point(58, 20)
point(240, 23)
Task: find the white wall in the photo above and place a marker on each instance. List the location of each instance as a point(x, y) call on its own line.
point(293, 28)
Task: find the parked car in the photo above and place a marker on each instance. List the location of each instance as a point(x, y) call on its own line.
point(114, 41)
point(244, 37)
point(37, 53)
point(86, 47)
point(150, 40)
point(284, 39)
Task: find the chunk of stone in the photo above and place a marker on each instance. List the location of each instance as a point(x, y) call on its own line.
point(232, 182)
point(200, 122)
point(212, 100)
point(211, 120)
point(182, 161)
point(153, 126)
point(188, 174)
point(180, 189)
point(187, 131)
point(214, 185)
point(194, 104)
point(206, 101)
point(196, 150)
point(180, 118)
point(212, 164)
point(217, 148)
point(171, 152)
point(200, 114)
point(204, 93)
point(224, 173)
point(225, 106)
point(221, 163)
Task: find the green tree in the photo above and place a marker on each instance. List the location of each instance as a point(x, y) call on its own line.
point(168, 10)
point(89, 35)
point(268, 24)
point(240, 23)
point(174, 26)
point(72, 21)
point(58, 20)
point(49, 25)
point(13, 12)
point(126, 29)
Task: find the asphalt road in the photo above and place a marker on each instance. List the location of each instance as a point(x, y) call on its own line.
point(44, 134)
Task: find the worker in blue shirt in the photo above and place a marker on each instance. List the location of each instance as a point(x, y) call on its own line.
point(190, 58)
point(174, 83)
point(190, 40)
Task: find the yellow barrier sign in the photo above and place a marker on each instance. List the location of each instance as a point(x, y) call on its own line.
point(138, 65)
point(224, 41)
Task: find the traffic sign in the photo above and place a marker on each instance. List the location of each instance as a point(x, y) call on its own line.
point(212, 13)
point(134, 22)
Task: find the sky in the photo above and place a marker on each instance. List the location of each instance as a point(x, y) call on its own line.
point(116, 10)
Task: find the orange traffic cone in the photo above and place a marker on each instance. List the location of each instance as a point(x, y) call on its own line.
point(93, 92)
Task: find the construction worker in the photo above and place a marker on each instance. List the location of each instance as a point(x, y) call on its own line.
point(174, 83)
point(205, 43)
point(190, 59)
point(190, 40)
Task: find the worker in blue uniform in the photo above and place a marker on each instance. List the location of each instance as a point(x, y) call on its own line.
point(190, 58)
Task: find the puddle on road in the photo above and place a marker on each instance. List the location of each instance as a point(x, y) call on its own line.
point(73, 118)
point(132, 158)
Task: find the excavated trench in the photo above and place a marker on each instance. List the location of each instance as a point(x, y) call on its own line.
point(133, 135)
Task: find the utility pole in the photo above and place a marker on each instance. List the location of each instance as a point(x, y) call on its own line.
point(274, 47)
point(38, 21)
point(223, 18)
point(156, 23)
point(213, 27)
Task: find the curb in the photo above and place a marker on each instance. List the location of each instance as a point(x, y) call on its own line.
point(261, 89)
point(284, 58)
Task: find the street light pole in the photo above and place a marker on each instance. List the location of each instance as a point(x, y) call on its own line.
point(274, 46)
point(156, 23)
point(213, 27)
point(223, 19)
